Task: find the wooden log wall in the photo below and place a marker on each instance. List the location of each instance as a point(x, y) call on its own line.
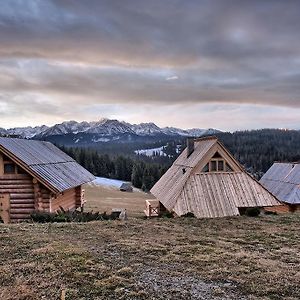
point(79, 195)
point(21, 192)
point(41, 197)
point(280, 209)
point(66, 200)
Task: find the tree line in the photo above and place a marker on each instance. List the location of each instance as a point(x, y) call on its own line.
point(142, 174)
point(256, 150)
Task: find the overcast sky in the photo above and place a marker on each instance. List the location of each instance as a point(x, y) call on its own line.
point(188, 63)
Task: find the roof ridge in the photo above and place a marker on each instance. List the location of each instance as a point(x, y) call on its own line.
point(204, 138)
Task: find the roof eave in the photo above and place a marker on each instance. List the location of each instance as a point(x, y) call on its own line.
point(29, 170)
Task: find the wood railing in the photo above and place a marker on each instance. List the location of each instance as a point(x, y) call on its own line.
point(152, 208)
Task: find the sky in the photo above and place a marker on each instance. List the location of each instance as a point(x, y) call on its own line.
point(225, 64)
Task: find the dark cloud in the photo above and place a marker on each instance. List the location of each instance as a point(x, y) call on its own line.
point(136, 51)
point(150, 32)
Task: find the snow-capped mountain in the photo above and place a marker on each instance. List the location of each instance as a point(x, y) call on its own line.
point(175, 131)
point(26, 132)
point(109, 127)
point(65, 128)
point(145, 129)
point(104, 130)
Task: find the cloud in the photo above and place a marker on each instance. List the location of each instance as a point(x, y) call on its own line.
point(172, 78)
point(135, 52)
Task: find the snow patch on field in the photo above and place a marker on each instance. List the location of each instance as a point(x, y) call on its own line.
point(102, 139)
point(151, 152)
point(110, 183)
point(107, 182)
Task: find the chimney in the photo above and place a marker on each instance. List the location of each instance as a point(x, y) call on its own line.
point(190, 146)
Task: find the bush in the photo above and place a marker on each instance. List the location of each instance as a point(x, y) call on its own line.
point(189, 215)
point(268, 212)
point(167, 214)
point(252, 212)
point(69, 216)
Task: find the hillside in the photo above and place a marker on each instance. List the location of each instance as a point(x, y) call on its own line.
point(229, 258)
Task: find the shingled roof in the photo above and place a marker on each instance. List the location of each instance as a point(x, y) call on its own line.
point(283, 180)
point(53, 167)
point(185, 187)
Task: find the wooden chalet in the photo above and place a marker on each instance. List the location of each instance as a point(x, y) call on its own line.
point(209, 182)
point(283, 181)
point(37, 176)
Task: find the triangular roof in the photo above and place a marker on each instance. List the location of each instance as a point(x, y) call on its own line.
point(186, 188)
point(283, 180)
point(51, 166)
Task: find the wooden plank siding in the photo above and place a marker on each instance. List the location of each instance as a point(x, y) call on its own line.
point(186, 187)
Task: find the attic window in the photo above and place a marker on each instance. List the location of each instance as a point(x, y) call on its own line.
point(221, 165)
point(213, 166)
point(9, 168)
point(217, 165)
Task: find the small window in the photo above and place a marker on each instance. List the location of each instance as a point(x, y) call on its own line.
point(213, 166)
point(206, 168)
point(220, 165)
point(9, 169)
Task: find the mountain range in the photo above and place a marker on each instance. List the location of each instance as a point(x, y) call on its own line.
point(102, 131)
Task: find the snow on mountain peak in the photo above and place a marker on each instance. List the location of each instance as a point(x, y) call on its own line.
point(103, 127)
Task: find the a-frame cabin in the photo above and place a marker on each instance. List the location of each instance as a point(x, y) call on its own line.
point(37, 176)
point(209, 182)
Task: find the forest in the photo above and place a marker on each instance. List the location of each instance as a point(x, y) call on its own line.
point(256, 150)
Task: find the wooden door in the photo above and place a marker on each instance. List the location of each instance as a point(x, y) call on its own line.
point(5, 208)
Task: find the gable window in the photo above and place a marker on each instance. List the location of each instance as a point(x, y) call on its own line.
point(9, 168)
point(221, 165)
point(213, 166)
point(217, 164)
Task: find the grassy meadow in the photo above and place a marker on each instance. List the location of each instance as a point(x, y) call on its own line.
point(184, 258)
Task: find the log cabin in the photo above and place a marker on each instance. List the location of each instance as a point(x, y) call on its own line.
point(37, 176)
point(283, 180)
point(207, 181)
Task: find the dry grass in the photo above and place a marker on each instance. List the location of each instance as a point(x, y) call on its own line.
point(228, 258)
point(104, 199)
